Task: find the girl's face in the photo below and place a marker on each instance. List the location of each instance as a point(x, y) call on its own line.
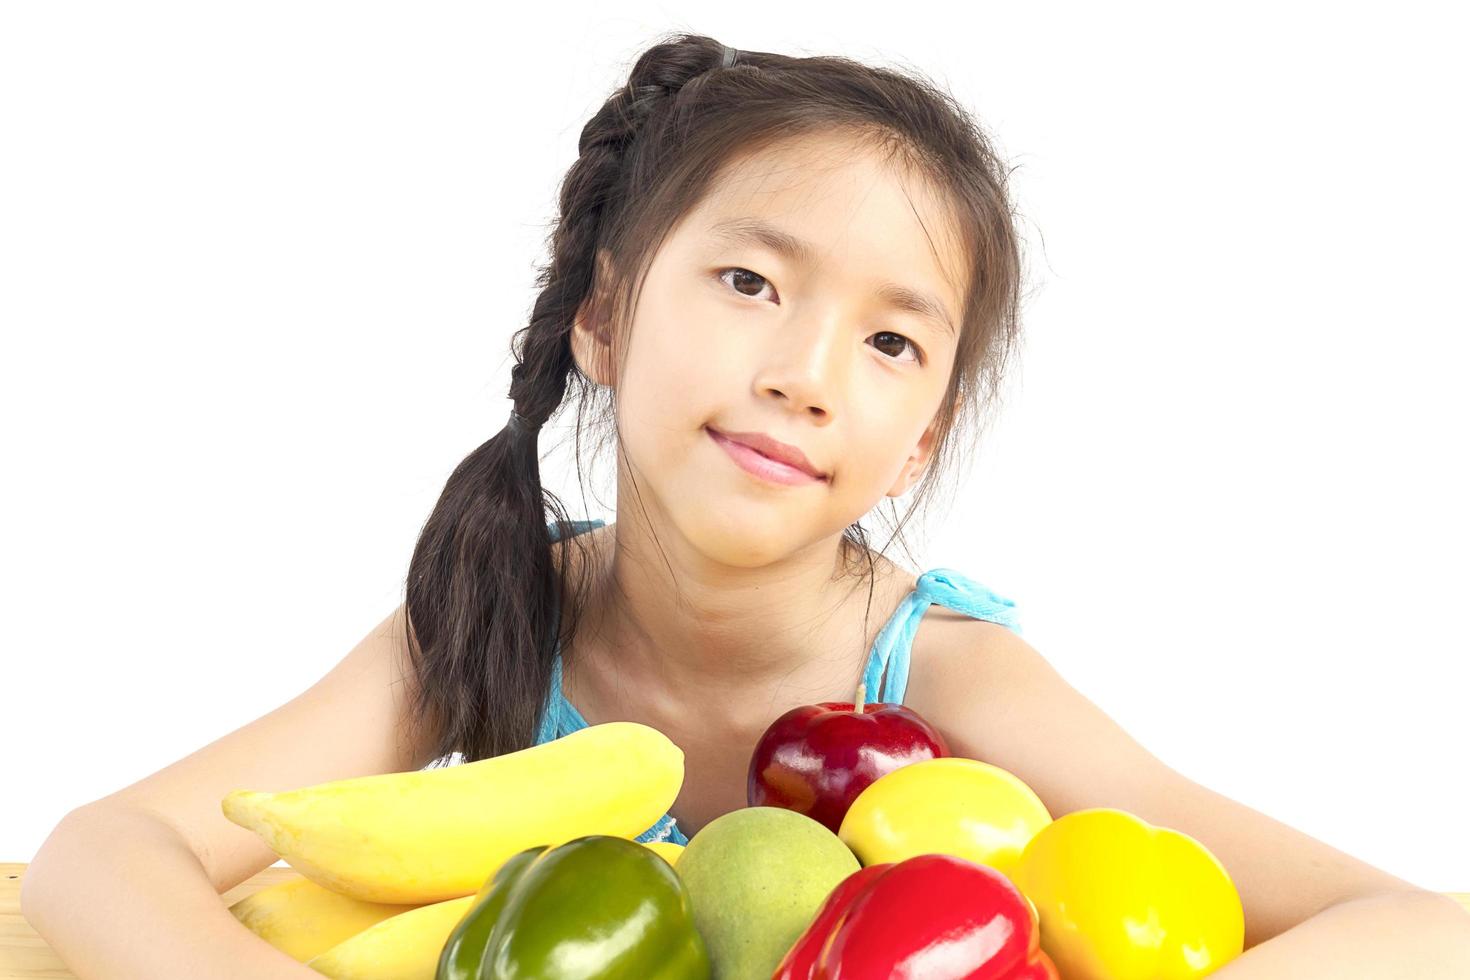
point(736, 334)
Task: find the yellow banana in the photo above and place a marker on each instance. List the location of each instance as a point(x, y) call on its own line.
point(416, 838)
point(301, 918)
point(405, 947)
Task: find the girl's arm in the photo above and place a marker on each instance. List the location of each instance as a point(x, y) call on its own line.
point(129, 885)
point(1309, 908)
point(118, 895)
point(1416, 935)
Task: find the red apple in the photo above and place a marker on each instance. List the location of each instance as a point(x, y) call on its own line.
point(816, 758)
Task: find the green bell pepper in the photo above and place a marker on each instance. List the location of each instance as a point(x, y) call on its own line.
point(595, 908)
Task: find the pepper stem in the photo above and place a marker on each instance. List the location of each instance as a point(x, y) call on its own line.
point(857, 701)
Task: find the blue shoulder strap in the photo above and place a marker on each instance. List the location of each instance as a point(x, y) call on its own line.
point(553, 529)
point(887, 676)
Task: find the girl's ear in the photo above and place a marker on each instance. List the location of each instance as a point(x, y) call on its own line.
point(591, 334)
point(914, 466)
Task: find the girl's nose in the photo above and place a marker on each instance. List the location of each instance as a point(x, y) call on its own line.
point(808, 363)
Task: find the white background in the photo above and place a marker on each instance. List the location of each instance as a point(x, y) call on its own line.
point(261, 264)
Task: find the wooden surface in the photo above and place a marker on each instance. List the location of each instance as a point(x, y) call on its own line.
point(25, 956)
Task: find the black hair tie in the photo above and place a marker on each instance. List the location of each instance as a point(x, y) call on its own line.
point(520, 423)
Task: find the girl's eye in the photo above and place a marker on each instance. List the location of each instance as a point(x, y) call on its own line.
point(745, 277)
point(743, 274)
point(902, 342)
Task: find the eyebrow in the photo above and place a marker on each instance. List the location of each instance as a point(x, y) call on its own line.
point(756, 231)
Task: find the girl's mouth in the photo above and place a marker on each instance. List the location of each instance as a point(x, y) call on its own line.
point(761, 466)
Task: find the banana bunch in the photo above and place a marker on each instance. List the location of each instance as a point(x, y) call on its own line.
point(391, 861)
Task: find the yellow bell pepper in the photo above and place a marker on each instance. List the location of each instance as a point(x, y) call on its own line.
point(1122, 899)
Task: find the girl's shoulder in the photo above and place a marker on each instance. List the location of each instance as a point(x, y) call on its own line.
point(957, 653)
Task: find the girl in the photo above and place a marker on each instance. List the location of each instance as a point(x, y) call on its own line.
point(789, 284)
point(809, 260)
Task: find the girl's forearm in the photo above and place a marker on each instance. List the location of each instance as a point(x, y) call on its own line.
point(1418, 935)
point(119, 896)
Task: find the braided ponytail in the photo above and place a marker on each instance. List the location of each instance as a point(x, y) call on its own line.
point(484, 594)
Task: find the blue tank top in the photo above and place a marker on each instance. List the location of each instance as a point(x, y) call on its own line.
point(887, 671)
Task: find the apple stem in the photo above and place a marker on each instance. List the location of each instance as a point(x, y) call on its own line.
point(857, 701)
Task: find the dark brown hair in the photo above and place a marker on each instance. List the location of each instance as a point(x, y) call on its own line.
point(483, 591)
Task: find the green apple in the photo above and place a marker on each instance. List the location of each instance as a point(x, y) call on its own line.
point(756, 877)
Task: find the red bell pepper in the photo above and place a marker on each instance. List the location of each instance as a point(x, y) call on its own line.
point(930, 917)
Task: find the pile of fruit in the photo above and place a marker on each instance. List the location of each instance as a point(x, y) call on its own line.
point(867, 853)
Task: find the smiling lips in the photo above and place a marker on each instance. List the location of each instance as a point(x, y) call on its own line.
point(762, 456)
